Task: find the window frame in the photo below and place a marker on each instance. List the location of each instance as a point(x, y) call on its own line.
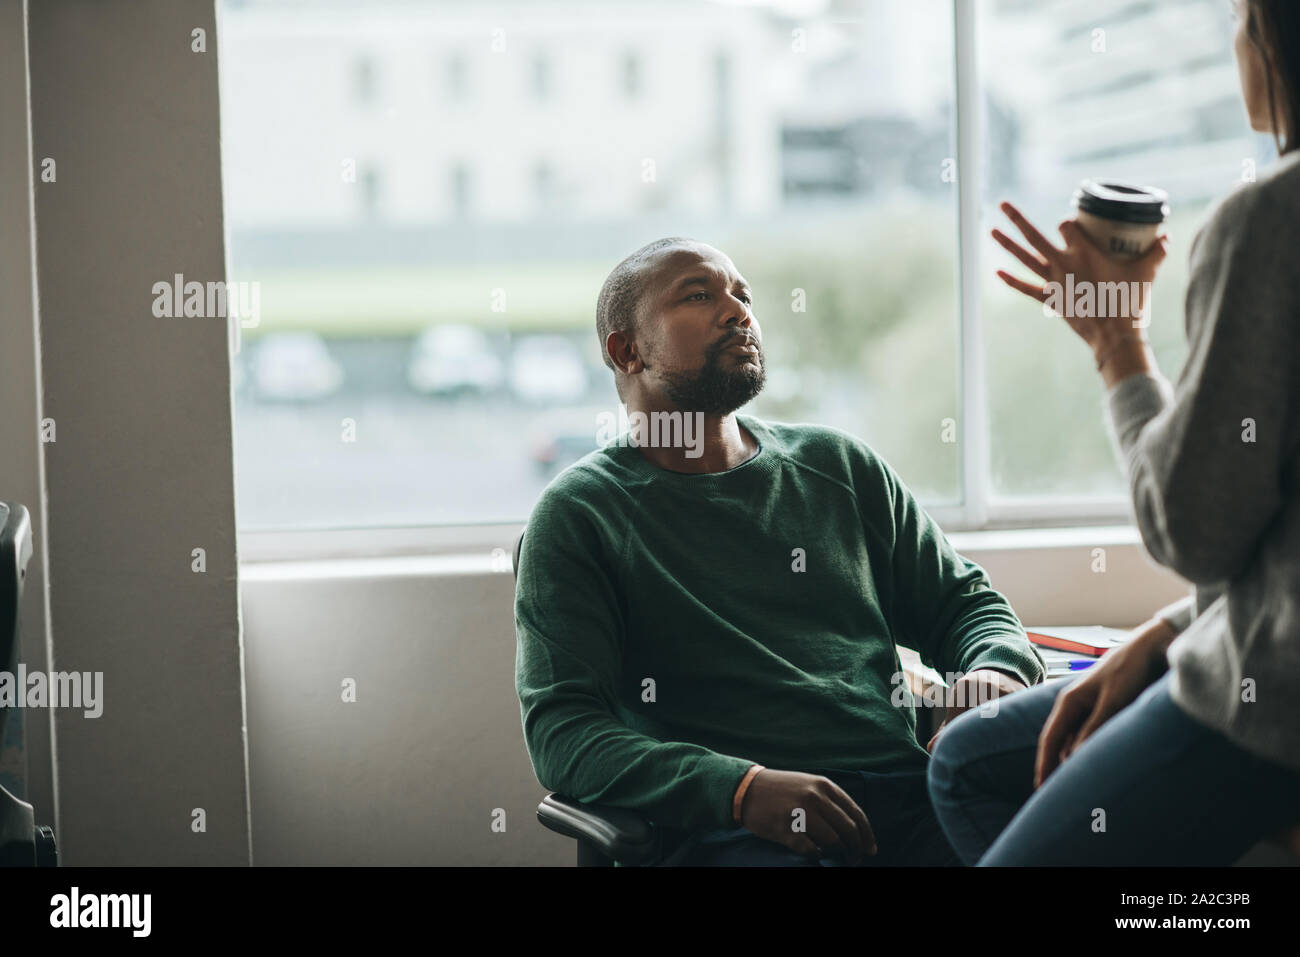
point(980, 509)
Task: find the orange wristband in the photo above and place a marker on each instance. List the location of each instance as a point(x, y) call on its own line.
point(740, 791)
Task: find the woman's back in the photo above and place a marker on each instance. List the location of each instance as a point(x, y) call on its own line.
point(1216, 474)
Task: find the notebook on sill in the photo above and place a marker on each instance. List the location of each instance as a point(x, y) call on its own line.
point(1094, 640)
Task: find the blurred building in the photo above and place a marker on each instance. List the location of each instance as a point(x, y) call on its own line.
point(1133, 89)
point(410, 130)
point(873, 109)
point(441, 113)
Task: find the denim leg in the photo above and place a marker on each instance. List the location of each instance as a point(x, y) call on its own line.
point(982, 768)
point(1151, 787)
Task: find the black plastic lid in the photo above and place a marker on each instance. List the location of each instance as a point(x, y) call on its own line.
point(1119, 201)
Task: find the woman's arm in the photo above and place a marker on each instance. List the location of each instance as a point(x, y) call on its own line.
point(1205, 457)
point(1178, 615)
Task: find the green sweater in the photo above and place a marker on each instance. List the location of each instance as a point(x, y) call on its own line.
point(674, 628)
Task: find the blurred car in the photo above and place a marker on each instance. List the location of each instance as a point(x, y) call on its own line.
point(547, 369)
point(561, 449)
point(294, 367)
point(452, 359)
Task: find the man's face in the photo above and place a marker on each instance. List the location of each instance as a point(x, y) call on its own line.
point(694, 322)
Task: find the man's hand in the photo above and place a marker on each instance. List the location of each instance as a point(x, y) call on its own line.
point(1110, 685)
point(831, 818)
point(976, 688)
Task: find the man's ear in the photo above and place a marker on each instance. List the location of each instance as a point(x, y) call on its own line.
point(624, 354)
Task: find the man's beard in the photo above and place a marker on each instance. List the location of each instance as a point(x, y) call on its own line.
point(721, 387)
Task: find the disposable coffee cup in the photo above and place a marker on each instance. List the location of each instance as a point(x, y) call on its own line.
point(1122, 220)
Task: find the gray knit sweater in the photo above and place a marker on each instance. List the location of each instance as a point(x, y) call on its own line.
point(1214, 468)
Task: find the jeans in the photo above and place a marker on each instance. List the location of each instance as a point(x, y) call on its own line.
point(1151, 786)
point(896, 803)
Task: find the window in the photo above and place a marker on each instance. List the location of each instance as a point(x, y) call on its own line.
point(1143, 93)
point(369, 192)
point(541, 77)
point(544, 187)
point(457, 80)
point(437, 364)
point(630, 74)
point(460, 198)
point(363, 79)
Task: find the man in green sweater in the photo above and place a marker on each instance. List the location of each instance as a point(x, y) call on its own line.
point(709, 615)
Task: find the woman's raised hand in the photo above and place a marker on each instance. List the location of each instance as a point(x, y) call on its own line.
point(1078, 267)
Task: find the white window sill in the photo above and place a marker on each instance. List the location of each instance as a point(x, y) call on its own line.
point(1097, 575)
point(485, 549)
point(1019, 539)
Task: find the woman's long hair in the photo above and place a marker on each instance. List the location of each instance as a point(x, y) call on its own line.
point(1273, 26)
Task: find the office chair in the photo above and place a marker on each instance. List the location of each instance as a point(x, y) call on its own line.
point(608, 834)
point(22, 842)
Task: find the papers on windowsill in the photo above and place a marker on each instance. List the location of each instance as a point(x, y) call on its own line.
point(1080, 645)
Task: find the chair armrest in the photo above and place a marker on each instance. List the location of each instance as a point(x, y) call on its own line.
point(622, 835)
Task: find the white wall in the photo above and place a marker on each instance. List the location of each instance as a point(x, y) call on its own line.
point(21, 480)
point(140, 473)
point(412, 771)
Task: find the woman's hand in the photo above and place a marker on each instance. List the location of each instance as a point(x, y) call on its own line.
point(1110, 685)
point(1088, 265)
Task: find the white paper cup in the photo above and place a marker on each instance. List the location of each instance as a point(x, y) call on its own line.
point(1122, 220)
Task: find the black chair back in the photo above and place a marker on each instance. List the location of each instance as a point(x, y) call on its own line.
point(22, 841)
point(15, 551)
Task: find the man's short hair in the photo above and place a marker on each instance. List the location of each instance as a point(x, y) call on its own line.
point(620, 296)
